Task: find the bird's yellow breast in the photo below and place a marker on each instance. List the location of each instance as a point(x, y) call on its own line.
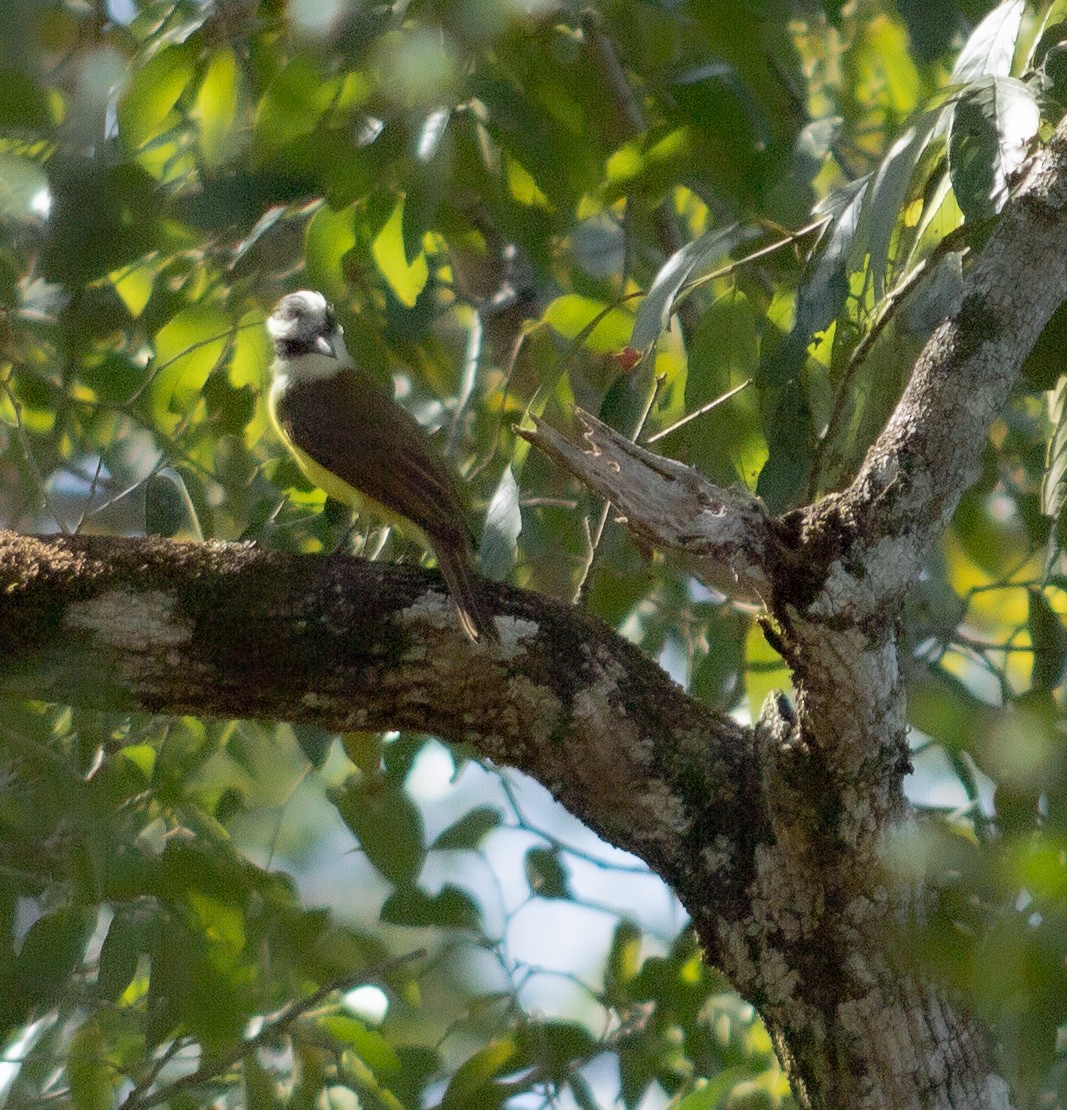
point(342, 491)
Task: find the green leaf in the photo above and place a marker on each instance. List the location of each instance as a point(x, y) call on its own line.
point(471, 1086)
point(314, 742)
point(1049, 639)
point(126, 940)
point(51, 949)
point(168, 508)
point(470, 830)
point(601, 327)
point(784, 475)
point(993, 124)
point(259, 1089)
point(188, 348)
point(407, 279)
point(23, 102)
point(88, 1073)
point(727, 442)
point(546, 873)
point(582, 1092)
point(368, 1044)
point(216, 107)
point(711, 1092)
point(387, 823)
point(293, 103)
point(825, 286)
point(145, 108)
point(991, 46)
point(1054, 483)
point(889, 190)
point(716, 677)
point(638, 1063)
point(556, 1047)
point(623, 962)
point(691, 262)
point(503, 523)
point(331, 234)
point(450, 908)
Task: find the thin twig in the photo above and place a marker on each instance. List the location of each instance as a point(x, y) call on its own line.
point(27, 451)
point(91, 494)
point(698, 412)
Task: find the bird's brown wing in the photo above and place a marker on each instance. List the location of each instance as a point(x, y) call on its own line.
point(352, 427)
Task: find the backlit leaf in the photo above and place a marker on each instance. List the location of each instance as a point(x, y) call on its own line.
point(145, 107)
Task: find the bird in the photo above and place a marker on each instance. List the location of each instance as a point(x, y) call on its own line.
point(355, 442)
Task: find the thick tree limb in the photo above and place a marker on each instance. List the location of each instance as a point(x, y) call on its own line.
point(772, 836)
point(232, 631)
point(721, 812)
point(856, 1026)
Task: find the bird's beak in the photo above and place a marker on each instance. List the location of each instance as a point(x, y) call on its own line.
point(325, 347)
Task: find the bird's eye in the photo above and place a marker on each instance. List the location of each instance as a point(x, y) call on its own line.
point(330, 320)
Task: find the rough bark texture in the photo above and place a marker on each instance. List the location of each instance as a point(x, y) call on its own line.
point(812, 948)
point(771, 836)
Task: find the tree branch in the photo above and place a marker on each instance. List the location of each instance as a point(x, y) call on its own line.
point(723, 534)
point(873, 539)
point(231, 631)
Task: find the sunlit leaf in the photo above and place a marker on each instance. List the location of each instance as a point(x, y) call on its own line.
point(217, 102)
point(372, 1048)
point(991, 46)
point(407, 278)
point(992, 126)
point(765, 670)
point(330, 236)
point(188, 348)
point(294, 102)
point(145, 107)
point(603, 327)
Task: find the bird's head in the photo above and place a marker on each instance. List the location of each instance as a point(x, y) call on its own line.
point(302, 324)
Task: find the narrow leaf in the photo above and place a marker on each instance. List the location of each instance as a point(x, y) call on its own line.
point(991, 47)
point(503, 523)
point(694, 259)
point(1054, 486)
point(1049, 639)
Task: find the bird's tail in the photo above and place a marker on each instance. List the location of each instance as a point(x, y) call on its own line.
point(454, 562)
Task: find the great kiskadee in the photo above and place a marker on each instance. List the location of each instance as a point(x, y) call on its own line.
point(356, 443)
